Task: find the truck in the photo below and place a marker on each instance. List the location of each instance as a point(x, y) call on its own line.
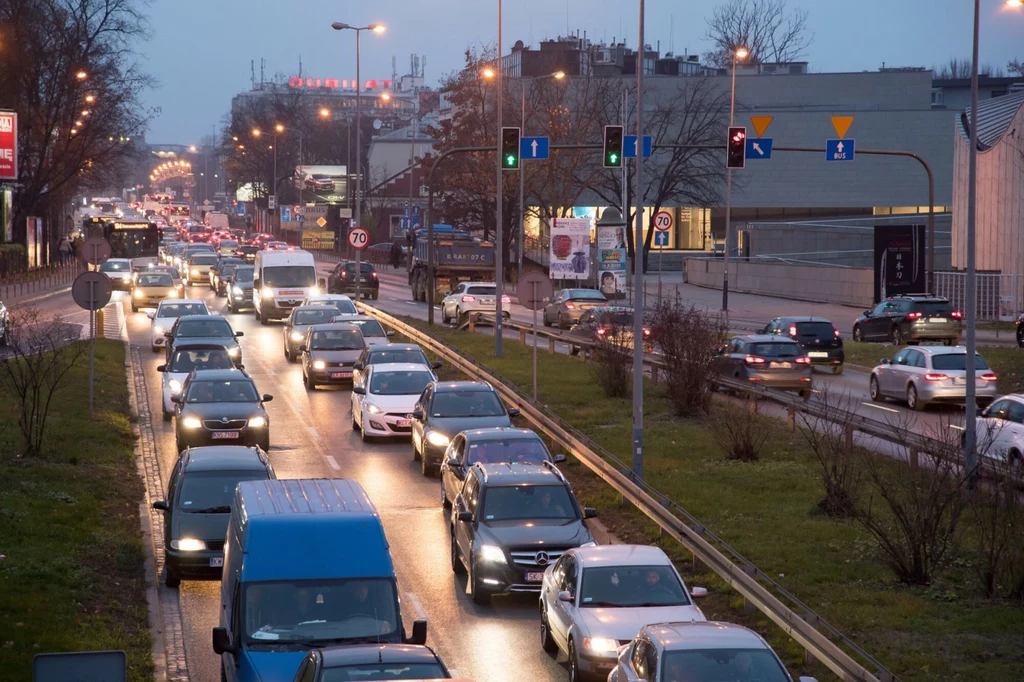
point(281, 281)
point(216, 220)
point(458, 257)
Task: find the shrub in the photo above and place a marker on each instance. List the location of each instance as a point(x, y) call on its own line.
point(688, 337)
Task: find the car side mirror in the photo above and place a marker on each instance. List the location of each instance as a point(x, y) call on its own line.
point(419, 633)
point(453, 462)
point(267, 397)
point(390, 332)
point(357, 365)
point(436, 365)
point(418, 414)
point(176, 399)
point(884, 361)
point(222, 643)
point(161, 505)
point(151, 315)
point(565, 596)
point(698, 592)
point(867, 313)
point(465, 516)
point(302, 348)
point(237, 334)
point(359, 390)
point(514, 412)
point(559, 459)
point(322, 283)
point(589, 513)
point(161, 368)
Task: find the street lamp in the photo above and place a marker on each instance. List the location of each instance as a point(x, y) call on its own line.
point(376, 28)
point(325, 112)
point(81, 75)
point(740, 53)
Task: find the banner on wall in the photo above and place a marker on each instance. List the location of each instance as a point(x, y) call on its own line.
point(8, 145)
point(611, 260)
point(899, 260)
point(570, 249)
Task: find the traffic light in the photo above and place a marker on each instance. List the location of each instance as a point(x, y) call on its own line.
point(510, 148)
point(613, 146)
point(736, 157)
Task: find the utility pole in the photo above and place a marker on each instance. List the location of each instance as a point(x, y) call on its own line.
point(638, 267)
point(499, 270)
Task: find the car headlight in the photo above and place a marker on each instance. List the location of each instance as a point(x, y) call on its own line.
point(195, 272)
point(191, 423)
point(267, 293)
point(233, 351)
point(257, 422)
point(237, 291)
point(373, 409)
point(319, 364)
point(438, 439)
point(492, 553)
point(139, 294)
point(157, 329)
point(188, 545)
point(314, 291)
point(174, 385)
point(297, 336)
point(173, 293)
point(601, 645)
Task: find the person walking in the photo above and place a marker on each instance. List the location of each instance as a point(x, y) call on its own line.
point(396, 254)
point(64, 250)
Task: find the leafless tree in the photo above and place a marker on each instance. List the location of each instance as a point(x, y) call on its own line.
point(742, 434)
point(41, 352)
point(960, 69)
point(997, 512)
point(826, 435)
point(688, 338)
point(769, 32)
point(1016, 67)
point(613, 362)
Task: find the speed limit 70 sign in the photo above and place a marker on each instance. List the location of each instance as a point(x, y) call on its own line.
point(663, 221)
point(358, 238)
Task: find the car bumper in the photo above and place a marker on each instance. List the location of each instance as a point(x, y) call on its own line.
point(433, 455)
point(955, 394)
point(151, 299)
point(387, 424)
point(500, 578)
point(120, 284)
point(159, 341)
point(931, 332)
point(275, 310)
point(787, 382)
point(198, 437)
point(350, 287)
point(333, 375)
point(595, 664)
point(204, 564)
point(243, 301)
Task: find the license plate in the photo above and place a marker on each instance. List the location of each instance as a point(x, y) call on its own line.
point(341, 375)
point(780, 365)
point(487, 301)
point(817, 354)
point(289, 292)
point(217, 562)
point(936, 319)
point(534, 577)
point(404, 423)
point(225, 435)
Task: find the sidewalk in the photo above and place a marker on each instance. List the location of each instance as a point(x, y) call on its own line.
point(27, 286)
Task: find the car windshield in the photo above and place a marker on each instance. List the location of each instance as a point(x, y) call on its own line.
point(384, 671)
point(343, 306)
point(230, 391)
point(289, 276)
point(625, 586)
point(155, 281)
point(586, 295)
point(928, 308)
point(173, 272)
point(717, 665)
point(482, 291)
point(116, 266)
point(203, 259)
point(185, 360)
point(775, 350)
point(518, 450)
point(211, 492)
point(619, 319)
point(309, 611)
point(410, 382)
point(387, 356)
point(954, 361)
point(180, 309)
point(337, 339)
point(518, 502)
point(242, 275)
point(467, 404)
point(815, 330)
point(313, 316)
point(228, 244)
point(216, 327)
point(368, 327)
point(227, 268)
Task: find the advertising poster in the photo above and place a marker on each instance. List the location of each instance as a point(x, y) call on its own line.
point(8, 145)
point(6, 215)
point(611, 260)
point(322, 184)
point(899, 260)
point(570, 249)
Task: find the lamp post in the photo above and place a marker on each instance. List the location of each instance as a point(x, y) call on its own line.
point(376, 28)
point(499, 256)
point(638, 265)
point(738, 53)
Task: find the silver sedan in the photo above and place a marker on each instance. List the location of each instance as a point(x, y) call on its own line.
point(922, 375)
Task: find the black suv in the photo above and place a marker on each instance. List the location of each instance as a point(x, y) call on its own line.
point(510, 522)
point(816, 335)
point(342, 279)
point(910, 318)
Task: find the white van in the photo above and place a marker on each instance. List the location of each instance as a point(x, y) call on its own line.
point(281, 281)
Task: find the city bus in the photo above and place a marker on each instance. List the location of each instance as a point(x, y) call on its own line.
point(127, 238)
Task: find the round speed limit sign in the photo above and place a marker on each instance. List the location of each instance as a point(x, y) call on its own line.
point(358, 238)
point(663, 221)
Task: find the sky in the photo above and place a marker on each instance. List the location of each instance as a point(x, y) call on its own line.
point(200, 51)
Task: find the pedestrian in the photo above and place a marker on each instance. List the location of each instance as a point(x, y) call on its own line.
point(396, 254)
point(64, 250)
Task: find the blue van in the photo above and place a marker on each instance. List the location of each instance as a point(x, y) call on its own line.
point(306, 564)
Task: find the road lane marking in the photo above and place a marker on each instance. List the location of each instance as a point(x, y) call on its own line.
point(312, 431)
point(417, 606)
point(333, 462)
point(879, 407)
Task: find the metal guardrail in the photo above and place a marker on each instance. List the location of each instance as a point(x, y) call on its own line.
point(704, 545)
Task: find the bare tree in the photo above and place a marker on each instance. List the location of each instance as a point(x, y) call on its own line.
point(741, 434)
point(613, 360)
point(768, 31)
point(688, 338)
point(1016, 67)
point(40, 355)
point(828, 436)
point(960, 69)
point(998, 515)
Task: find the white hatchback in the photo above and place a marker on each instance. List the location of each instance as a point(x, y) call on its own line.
point(383, 401)
point(165, 315)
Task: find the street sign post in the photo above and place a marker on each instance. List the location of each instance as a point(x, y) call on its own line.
point(534, 291)
point(96, 251)
point(91, 291)
point(533, 148)
point(629, 146)
point(759, 148)
point(840, 150)
point(358, 239)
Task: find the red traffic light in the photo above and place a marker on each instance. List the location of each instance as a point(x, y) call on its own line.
point(736, 148)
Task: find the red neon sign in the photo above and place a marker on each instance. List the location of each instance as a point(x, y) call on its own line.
point(8, 145)
point(337, 84)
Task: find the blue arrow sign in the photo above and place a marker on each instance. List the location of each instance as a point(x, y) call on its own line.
point(759, 148)
point(629, 146)
point(286, 214)
point(661, 238)
point(533, 148)
point(839, 150)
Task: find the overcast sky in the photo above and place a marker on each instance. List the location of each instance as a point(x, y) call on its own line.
point(200, 50)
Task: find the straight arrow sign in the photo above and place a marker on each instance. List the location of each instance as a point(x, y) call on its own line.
point(533, 148)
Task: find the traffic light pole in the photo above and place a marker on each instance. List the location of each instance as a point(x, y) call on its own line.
point(638, 268)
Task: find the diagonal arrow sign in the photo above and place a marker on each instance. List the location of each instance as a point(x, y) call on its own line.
point(757, 148)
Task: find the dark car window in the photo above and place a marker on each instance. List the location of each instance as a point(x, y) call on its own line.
point(482, 291)
point(337, 339)
point(363, 267)
point(467, 404)
point(368, 327)
point(511, 503)
point(617, 319)
point(241, 275)
point(953, 361)
point(585, 295)
point(186, 360)
point(625, 586)
point(181, 309)
point(203, 328)
point(231, 391)
point(520, 450)
point(929, 308)
point(383, 357)
point(211, 492)
point(155, 281)
point(203, 259)
point(342, 305)
point(713, 665)
point(384, 671)
point(821, 331)
point(313, 316)
point(400, 382)
point(775, 349)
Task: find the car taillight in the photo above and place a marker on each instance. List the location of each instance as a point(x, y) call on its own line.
point(935, 377)
point(569, 305)
point(836, 332)
point(803, 360)
point(506, 299)
point(602, 331)
point(989, 376)
point(374, 275)
point(913, 316)
point(792, 330)
point(468, 299)
point(753, 360)
point(344, 274)
point(957, 315)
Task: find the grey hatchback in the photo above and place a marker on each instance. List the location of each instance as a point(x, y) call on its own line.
point(766, 360)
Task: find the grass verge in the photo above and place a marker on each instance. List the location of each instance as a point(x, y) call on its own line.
point(768, 511)
point(72, 575)
point(1005, 361)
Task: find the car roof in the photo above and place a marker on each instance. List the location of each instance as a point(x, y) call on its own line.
point(222, 374)
point(766, 338)
point(393, 347)
point(804, 318)
point(351, 654)
point(398, 367)
point(518, 473)
point(501, 433)
point(223, 458)
point(187, 301)
point(704, 635)
point(622, 555)
point(335, 327)
point(452, 386)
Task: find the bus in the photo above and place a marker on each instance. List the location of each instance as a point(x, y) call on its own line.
point(127, 238)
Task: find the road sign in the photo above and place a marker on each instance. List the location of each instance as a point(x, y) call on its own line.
point(761, 124)
point(661, 238)
point(534, 290)
point(842, 124)
point(345, 213)
point(759, 148)
point(91, 290)
point(663, 221)
point(358, 238)
point(96, 250)
point(286, 214)
point(839, 150)
point(297, 210)
point(272, 202)
point(629, 146)
point(321, 221)
point(533, 148)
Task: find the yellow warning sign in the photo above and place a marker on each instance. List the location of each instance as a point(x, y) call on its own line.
point(842, 125)
point(761, 124)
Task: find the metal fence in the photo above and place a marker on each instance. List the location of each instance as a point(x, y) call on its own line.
point(1000, 297)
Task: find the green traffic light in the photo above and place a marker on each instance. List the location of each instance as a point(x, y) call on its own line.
point(510, 160)
point(613, 158)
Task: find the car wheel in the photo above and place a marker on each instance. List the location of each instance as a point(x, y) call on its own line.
point(547, 322)
point(135, 308)
point(444, 315)
point(167, 415)
point(913, 401)
point(873, 391)
point(805, 394)
point(1013, 458)
point(355, 424)
point(362, 436)
point(574, 350)
point(547, 642)
point(837, 369)
point(477, 593)
point(291, 356)
point(171, 579)
point(415, 453)
point(574, 664)
point(561, 322)
point(376, 293)
point(896, 336)
point(457, 567)
point(308, 380)
point(263, 319)
point(858, 335)
point(425, 468)
point(445, 503)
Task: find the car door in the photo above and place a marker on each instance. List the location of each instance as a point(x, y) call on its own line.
point(562, 614)
point(451, 301)
point(916, 368)
point(172, 491)
point(418, 425)
point(453, 466)
point(551, 309)
point(873, 322)
point(1013, 437)
point(892, 377)
point(991, 427)
point(465, 531)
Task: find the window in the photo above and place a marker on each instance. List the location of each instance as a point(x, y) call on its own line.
point(467, 404)
point(482, 291)
point(622, 318)
point(203, 259)
point(519, 450)
point(289, 276)
point(458, 449)
point(932, 308)
point(313, 316)
point(155, 281)
point(185, 360)
point(521, 502)
point(472, 497)
point(775, 349)
point(879, 309)
point(1016, 412)
point(211, 492)
point(901, 357)
point(915, 359)
point(568, 581)
point(709, 665)
point(639, 658)
point(999, 410)
point(399, 383)
point(585, 295)
point(231, 391)
point(955, 361)
point(631, 586)
point(821, 331)
point(413, 355)
point(368, 327)
point(204, 328)
point(338, 339)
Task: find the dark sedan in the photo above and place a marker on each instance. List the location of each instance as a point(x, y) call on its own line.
point(220, 407)
point(329, 352)
point(568, 305)
point(247, 252)
point(342, 279)
point(611, 324)
point(239, 288)
point(769, 361)
point(220, 273)
point(371, 662)
point(447, 408)
point(205, 329)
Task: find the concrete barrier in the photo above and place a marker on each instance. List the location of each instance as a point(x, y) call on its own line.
point(815, 283)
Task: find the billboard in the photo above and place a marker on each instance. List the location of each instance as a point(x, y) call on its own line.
point(611, 260)
point(322, 184)
point(899, 260)
point(570, 248)
point(8, 145)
